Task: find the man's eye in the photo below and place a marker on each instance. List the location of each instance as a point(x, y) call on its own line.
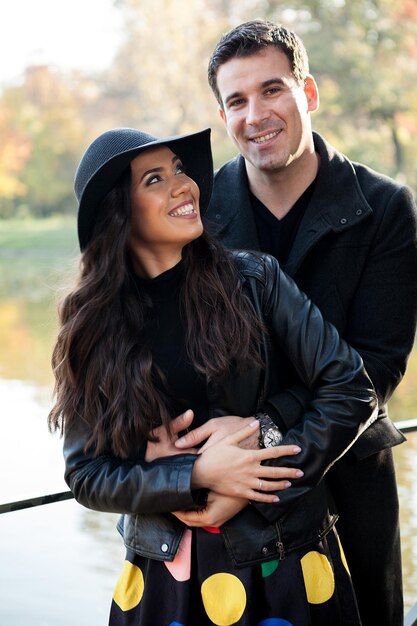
point(235, 103)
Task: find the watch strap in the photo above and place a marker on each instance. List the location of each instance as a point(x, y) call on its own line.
point(265, 423)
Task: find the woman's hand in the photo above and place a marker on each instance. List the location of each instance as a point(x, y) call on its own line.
point(165, 446)
point(219, 509)
point(229, 470)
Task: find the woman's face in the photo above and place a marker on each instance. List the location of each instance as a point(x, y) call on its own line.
point(165, 210)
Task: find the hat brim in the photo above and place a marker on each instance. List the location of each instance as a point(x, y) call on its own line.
point(194, 151)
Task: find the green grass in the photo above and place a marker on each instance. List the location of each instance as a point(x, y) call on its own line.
point(36, 256)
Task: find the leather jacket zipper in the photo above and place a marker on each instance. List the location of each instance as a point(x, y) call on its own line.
point(279, 544)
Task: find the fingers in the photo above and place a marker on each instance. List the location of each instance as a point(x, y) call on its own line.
point(182, 422)
point(179, 423)
point(265, 453)
point(245, 432)
point(256, 496)
point(277, 451)
point(195, 437)
point(270, 473)
point(265, 486)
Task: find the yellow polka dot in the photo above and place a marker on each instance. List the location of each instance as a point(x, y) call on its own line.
point(224, 598)
point(342, 556)
point(318, 577)
point(129, 588)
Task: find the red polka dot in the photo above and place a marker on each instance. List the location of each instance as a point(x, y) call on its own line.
point(212, 529)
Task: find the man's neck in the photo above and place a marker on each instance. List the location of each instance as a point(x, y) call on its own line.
point(278, 190)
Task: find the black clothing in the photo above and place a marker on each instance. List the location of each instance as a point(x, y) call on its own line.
point(165, 334)
point(276, 236)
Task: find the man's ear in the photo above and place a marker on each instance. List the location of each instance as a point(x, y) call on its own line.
point(222, 114)
point(312, 93)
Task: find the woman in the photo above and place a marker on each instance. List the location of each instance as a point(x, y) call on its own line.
point(162, 320)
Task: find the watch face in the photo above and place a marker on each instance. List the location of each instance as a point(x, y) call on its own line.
point(272, 438)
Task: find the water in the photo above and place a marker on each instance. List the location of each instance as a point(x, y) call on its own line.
point(59, 562)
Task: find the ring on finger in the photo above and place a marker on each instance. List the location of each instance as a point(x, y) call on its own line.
point(260, 485)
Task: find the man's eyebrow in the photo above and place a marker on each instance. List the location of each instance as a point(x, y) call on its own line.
point(273, 81)
point(235, 94)
point(265, 83)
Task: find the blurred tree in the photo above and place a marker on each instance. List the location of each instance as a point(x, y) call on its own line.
point(157, 81)
point(46, 112)
point(14, 152)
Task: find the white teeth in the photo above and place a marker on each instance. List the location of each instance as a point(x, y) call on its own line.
point(265, 137)
point(184, 210)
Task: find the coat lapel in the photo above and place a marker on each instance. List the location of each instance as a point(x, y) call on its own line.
point(337, 204)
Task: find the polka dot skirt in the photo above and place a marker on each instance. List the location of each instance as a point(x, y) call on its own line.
point(201, 587)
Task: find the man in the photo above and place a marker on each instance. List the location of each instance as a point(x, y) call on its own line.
point(347, 235)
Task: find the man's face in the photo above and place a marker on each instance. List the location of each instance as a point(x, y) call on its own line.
point(266, 112)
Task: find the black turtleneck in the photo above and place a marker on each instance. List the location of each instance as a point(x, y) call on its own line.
point(165, 334)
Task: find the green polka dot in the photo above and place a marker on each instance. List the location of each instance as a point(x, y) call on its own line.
point(269, 568)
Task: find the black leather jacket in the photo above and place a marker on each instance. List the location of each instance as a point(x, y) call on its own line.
point(343, 405)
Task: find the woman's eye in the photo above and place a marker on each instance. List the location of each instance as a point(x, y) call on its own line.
point(153, 179)
point(180, 169)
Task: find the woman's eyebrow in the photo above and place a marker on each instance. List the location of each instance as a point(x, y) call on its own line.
point(154, 170)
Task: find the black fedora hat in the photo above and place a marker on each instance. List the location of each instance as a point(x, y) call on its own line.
point(110, 154)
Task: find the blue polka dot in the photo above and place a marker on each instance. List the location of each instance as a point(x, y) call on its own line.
point(274, 621)
point(175, 624)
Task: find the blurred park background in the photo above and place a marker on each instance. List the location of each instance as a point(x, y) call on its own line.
point(363, 54)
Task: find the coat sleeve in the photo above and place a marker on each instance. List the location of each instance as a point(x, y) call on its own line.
point(106, 483)
point(382, 317)
point(343, 401)
point(383, 314)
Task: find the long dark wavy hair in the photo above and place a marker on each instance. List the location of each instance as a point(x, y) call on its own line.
point(104, 372)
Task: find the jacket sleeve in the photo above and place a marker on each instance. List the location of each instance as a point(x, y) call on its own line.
point(343, 401)
point(382, 317)
point(383, 314)
point(106, 483)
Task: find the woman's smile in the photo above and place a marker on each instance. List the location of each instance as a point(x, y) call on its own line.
point(186, 209)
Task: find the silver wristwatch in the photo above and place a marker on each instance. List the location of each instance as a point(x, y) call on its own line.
point(270, 435)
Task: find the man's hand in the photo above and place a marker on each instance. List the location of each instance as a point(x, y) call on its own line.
point(219, 509)
point(215, 429)
point(165, 444)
